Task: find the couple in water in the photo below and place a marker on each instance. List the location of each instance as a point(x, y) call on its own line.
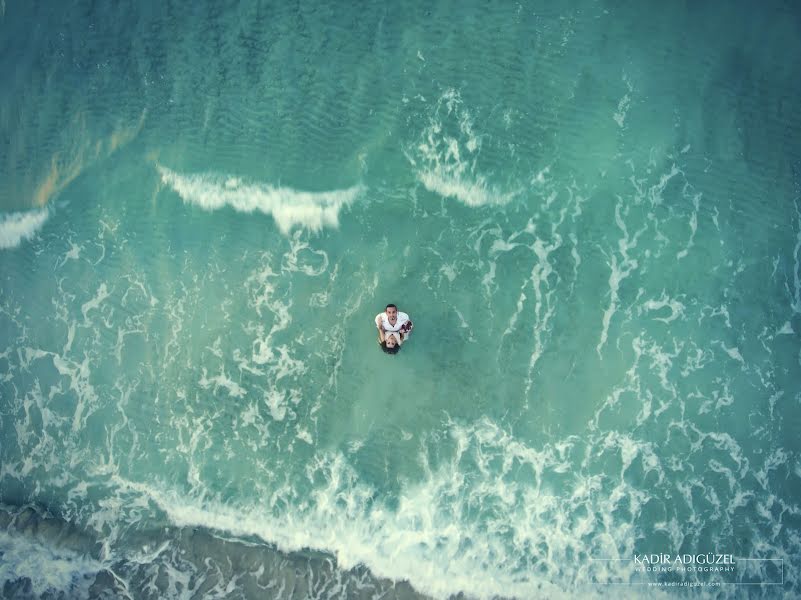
point(393, 328)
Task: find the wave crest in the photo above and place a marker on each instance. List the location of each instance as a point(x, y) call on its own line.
point(471, 193)
point(287, 206)
point(18, 226)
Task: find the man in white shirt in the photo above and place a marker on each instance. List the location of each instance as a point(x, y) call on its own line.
point(393, 326)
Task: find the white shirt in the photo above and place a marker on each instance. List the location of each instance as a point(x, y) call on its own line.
point(382, 321)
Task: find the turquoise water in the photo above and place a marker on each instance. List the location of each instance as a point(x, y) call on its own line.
point(591, 211)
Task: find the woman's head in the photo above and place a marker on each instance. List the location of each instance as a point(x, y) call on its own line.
point(390, 348)
point(393, 338)
point(392, 343)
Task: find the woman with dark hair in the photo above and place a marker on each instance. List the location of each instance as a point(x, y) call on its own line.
point(389, 349)
point(391, 343)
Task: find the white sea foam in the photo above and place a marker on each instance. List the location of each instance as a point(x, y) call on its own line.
point(79, 381)
point(222, 381)
point(276, 402)
point(471, 193)
point(405, 545)
point(618, 272)
point(19, 226)
point(288, 207)
point(625, 102)
point(544, 305)
point(664, 301)
point(74, 253)
point(47, 568)
point(446, 157)
point(655, 191)
point(303, 434)
point(447, 532)
point(102, 294)
point(733, 353)
point(693, 228)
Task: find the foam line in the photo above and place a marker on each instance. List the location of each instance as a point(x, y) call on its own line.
point(396, 546)
point(289, 207)
point(470, 193)
point(19, 226)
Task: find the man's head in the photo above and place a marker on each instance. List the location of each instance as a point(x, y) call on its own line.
point(392, 312)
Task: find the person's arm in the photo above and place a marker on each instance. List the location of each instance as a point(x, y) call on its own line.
point(381, 334)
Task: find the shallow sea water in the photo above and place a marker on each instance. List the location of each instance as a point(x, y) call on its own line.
point(591, 211)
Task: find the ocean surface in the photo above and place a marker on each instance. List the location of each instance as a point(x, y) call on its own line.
point(591, 210)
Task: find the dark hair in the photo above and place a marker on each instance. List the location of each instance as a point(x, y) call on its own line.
point(391, 306)
point(388, 350)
